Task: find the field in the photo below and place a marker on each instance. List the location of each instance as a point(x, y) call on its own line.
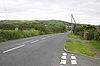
point(48, 22)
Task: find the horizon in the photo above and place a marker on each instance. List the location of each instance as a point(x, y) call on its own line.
point(57, 20)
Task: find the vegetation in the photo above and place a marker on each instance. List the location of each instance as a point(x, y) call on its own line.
point(44, 22)
point(78, 47)
point(15, 34)
point(72, 35)
point(15, 30)
point(93, 31)
point(94, 44)
point(7, 26)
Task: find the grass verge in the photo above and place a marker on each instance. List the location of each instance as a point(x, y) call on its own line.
point(71, 35)
point(94, 44)
point(78, 47)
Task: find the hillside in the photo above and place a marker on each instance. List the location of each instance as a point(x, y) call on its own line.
point(46, 22)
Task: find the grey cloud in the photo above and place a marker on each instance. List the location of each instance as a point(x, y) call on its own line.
point(83, 9)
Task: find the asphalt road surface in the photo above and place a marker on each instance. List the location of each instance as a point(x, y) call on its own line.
point(44, 50)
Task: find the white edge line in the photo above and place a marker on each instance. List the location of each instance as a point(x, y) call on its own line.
point(13, 48)
point(35, 41)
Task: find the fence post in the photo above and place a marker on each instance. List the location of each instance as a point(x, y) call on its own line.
point(86, 35)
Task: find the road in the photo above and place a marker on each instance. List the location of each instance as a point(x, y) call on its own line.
point(44, 50)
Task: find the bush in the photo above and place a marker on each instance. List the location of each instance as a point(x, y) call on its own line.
point(2, 39)
point(94, 32)
point(22, 30)
point(15, 34)
point(7, 26)
point(71, 35)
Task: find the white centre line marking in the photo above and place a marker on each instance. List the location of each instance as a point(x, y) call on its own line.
point(63, 62)
point(13, 48)
point(73, 62)
point(35, 41)
point(63, 57)
point(64, 54)
point(73, 57)
point(72, 54)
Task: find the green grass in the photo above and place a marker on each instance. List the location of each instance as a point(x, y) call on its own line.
point(78, 47)
point(71, 35)
point(56, 22)
point(95, 44)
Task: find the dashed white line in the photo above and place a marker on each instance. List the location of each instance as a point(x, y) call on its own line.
point(73, 62)
point(35, 41)
point(13, 48)
point(63, 62)
point(63, 57)
point(73, 57)
point(64, 54)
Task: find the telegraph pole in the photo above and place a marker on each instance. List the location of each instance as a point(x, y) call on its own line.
point(71, 23)
point(72, 19)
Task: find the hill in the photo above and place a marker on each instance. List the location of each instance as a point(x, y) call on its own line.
point(45, 22)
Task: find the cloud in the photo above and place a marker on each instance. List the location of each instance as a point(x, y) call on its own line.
point(85, 11)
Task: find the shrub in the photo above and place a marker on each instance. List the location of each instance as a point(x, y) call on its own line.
point(7, 26)
point(94, 32)
point(15, 34)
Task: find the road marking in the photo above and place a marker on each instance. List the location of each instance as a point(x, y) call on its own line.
point(63, 57)
point(73, 62)
point(73, 57)
point(64, 54)
point(43, 38)
point(61, 65)
point(63, 62)
point(13, 48)
point(72, 54)
point(35, 41)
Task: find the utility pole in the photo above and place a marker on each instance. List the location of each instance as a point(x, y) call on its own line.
point(71, 23)
point(72, 19)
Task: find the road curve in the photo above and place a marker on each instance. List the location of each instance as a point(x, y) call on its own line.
point(35, 51)
point(44, 50)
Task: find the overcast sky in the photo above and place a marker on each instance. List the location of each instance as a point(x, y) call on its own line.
point(84, 11)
